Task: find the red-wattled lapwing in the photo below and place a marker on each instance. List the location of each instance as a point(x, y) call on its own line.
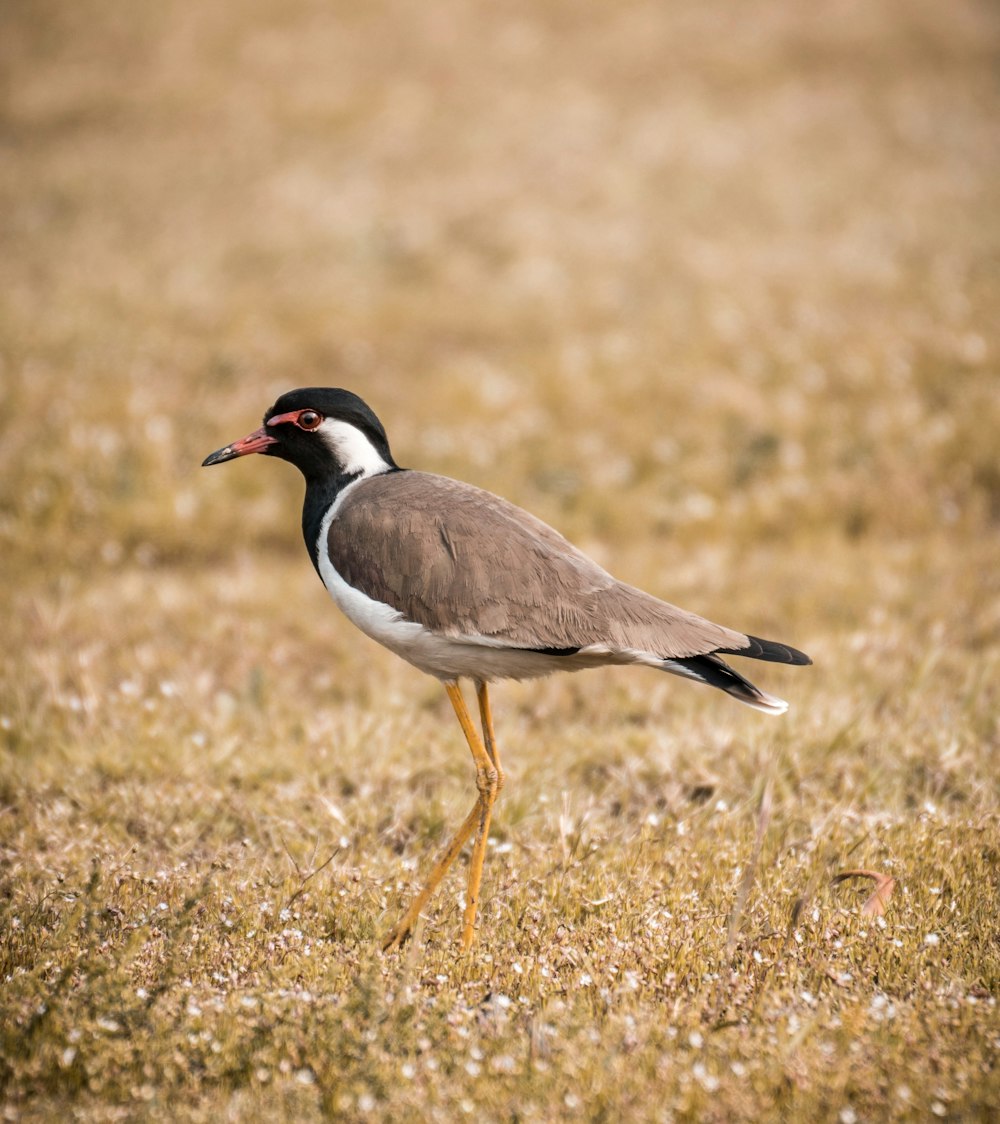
point(464, 584)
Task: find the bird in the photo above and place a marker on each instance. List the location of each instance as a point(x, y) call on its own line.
point(465, 585)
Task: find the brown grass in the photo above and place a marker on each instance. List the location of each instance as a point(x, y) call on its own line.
point(711, 287)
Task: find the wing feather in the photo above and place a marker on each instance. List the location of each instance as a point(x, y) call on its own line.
point(465, 563)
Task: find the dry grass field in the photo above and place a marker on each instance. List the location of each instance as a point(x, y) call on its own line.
point(712, 287)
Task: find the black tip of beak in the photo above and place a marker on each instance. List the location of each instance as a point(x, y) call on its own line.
point(220, 455)
point(257, 442)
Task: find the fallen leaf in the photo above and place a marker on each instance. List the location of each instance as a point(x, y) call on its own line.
point(877, 904)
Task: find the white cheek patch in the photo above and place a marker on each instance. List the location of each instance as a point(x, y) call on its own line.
point(351, 448)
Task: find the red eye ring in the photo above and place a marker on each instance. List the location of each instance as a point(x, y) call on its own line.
point(309, 420)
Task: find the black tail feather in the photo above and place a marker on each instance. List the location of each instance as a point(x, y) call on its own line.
point(771, 650)
point(717, 673)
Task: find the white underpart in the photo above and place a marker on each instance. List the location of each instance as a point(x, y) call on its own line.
point(351, 447)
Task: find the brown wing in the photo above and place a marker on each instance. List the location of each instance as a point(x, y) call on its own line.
point(465, 563)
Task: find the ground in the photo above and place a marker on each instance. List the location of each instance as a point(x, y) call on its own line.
point(713, 289)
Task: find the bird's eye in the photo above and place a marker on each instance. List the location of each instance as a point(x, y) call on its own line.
point(309, 419)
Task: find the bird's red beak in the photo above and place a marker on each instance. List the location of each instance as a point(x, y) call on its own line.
point(255, 442)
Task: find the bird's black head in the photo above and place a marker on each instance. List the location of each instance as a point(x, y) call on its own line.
point(325, 432)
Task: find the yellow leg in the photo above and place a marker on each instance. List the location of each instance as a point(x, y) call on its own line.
point(488, 783)
point(478, 820)
point(486, 718)
point(405, 924)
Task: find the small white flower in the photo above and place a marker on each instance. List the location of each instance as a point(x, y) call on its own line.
point(708, 1081)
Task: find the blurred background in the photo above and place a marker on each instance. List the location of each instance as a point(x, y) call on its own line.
point(695, 271)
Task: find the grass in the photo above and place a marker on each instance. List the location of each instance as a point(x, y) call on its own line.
point(711, 288)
